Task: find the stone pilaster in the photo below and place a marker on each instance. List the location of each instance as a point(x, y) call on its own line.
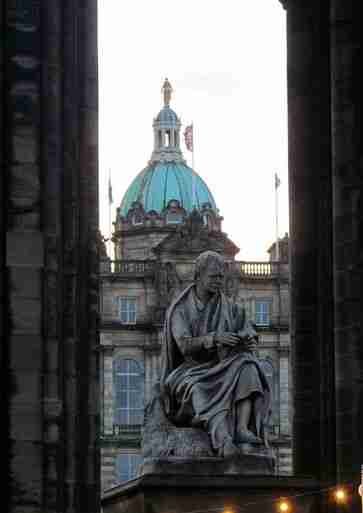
point(285, 390)
point(108, 402)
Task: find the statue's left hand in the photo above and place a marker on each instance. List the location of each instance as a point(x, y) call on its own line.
point(250, 343)
point(249, 339)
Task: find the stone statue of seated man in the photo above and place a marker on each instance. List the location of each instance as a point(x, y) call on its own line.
point(211, 377)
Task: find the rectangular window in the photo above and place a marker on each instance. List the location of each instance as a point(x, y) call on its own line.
point(128, 392)
point(263, 310)
point(137, 219)
point(127, 466)
point(127, 309)
point(174, 218)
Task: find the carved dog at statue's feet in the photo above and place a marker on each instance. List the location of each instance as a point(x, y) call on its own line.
point(161, 438)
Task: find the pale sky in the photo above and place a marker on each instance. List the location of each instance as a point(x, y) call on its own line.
point(226, 62)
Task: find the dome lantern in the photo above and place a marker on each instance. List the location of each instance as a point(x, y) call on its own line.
point(166, 127)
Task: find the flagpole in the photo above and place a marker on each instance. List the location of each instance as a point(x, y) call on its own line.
point(189, 143)
point(109, 215)
point(277, 217)
point(193, 184)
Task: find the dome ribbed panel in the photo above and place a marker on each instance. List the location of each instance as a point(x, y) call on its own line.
point(162, 182)
point(132, 193)
point(155, 187)
point(167, 117)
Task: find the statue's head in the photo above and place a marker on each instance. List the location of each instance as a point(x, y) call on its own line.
point(209, 271)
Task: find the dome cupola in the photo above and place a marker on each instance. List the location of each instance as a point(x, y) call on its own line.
point(166, 127)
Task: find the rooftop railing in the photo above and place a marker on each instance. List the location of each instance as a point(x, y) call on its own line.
point(127, 267)
point(248, 269)
point(261, 270)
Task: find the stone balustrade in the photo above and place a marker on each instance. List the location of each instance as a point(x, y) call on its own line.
point(120, 429)
point(262, 270)
point(127, 267)
point(248, 269)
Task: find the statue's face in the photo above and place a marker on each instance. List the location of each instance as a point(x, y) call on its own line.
point(212, 278)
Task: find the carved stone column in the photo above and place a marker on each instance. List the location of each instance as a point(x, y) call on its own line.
point(308, 70)
point(50, 215)
point(347, 169)
point(325, 55)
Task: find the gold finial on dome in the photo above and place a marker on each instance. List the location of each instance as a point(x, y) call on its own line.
point(167, 90)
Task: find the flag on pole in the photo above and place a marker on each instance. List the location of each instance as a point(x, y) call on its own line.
point(110, 198)
point(277, 181)
point(188, 137)
point(277, 184)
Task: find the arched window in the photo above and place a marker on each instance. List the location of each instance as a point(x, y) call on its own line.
point(128, 381)
point(127, 466)
point(167, 139)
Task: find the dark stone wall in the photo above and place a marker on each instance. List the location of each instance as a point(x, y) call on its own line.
point(347, 173)
point(324, 40)
point(48, 284)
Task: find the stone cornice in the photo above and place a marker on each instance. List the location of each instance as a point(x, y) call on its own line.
point(284, 350)
point(143, 230)
point(132, 441)
point(118, 326)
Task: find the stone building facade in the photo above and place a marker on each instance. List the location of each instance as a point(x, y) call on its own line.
point(161, 227)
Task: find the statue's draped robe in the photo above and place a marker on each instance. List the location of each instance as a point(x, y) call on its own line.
point(202, 384)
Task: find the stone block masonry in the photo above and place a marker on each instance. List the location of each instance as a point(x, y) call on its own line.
point(48, 257)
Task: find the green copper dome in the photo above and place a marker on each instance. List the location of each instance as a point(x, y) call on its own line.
point(162, 182)
point(167, 177)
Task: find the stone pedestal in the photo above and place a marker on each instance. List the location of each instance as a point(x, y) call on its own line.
point(185, 493)
point(253, 461)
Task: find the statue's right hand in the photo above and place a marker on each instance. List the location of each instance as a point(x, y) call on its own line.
point(226, 339)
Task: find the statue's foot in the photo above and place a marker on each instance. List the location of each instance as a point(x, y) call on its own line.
point(228, 449)
point(247, 436)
